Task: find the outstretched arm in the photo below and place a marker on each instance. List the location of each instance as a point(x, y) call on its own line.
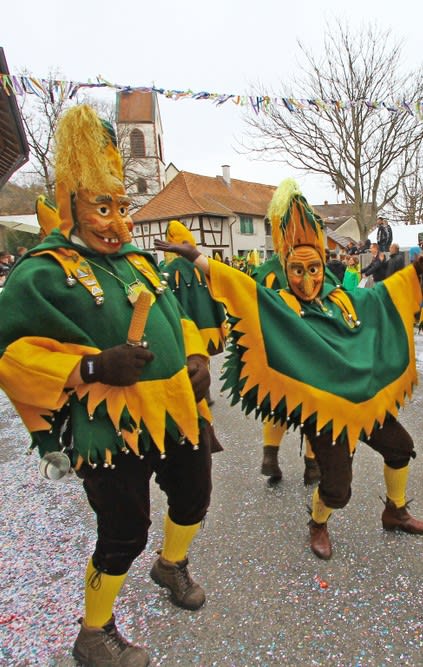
point(185, 250)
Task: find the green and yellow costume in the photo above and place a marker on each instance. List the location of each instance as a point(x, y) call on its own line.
point(190, 288)
point(334, 362)
point(41, 351)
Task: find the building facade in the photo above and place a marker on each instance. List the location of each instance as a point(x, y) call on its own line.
point(140, 137)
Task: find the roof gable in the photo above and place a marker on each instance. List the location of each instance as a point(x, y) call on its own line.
point(193, 194)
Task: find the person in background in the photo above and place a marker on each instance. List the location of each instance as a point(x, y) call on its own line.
point(396, 260)
point(377, 266)
point(363, 246)
point(120, 405)
point(414, 252)
point(335, 266)
point(310, 356)
point(384, 234)
point(352, 273)
point(352, 248)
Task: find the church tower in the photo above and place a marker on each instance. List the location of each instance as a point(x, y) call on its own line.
point(140, 137)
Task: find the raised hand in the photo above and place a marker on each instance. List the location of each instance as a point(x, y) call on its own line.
point(185, 249)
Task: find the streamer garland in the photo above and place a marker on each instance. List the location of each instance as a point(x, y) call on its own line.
point(58, 89)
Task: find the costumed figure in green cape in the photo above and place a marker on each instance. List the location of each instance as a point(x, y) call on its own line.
point(271, 274)
point(189, 285)
point(109, 375)
point(310, 355)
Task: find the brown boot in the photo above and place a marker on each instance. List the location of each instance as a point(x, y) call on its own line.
point(175, 576)
point(319, 539)
point(397, 518)
point(269, 465)
point(106, 646)
point(311, 471)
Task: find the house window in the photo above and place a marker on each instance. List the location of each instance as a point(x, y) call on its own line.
point(141, 186)
point(267, 228)
point(246, 226)
point(137, 144)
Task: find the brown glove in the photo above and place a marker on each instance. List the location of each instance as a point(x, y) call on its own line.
point(185, 249)
point(199, 375)
point(119, 366)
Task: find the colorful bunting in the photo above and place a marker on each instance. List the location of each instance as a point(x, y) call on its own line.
point(21, 85)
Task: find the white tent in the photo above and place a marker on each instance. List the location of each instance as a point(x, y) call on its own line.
point(406, 236)
point(21, 223)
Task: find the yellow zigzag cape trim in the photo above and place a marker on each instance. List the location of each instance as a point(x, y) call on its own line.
point(241, 300)
point(148, 401)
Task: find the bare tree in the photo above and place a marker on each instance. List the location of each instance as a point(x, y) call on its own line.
point(40, 115)
point(365, 151)
point(407, 207)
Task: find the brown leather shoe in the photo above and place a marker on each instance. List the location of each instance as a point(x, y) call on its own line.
point(106, 646)
point(185, 592)
point(269, 465)
point(319, 539)
point(311, 471)
point(397, 518)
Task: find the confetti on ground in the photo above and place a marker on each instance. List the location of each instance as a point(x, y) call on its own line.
point(265, 604)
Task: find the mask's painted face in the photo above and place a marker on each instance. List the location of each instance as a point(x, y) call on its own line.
point(102, 221)
point(305, 272)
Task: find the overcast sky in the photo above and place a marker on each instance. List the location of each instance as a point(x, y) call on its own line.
point(224, 46)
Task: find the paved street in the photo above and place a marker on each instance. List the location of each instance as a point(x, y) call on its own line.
point(270, 601)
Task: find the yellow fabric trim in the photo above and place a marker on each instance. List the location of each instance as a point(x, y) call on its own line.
point(398, 286)
point(291, 301)
point(35, 370)
point(340, 411)
point(150, 402)
point(193, 340)
point(343, 301)
point(71, 262)
point(268, 281)
point(212, 335)
point(37, 389)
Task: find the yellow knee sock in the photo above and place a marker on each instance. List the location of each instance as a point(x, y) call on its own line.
point(177, 539)
point(308, 450)
point(273, 434)
point(396, 484)
point(320, 513)
point(100, 593)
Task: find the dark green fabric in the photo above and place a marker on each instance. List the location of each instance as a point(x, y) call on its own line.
point(271, 266)
point(321, 350)
point(354, 363)
point(194, 295)
point(38, 302)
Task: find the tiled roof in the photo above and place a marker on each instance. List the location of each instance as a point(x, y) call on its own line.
point(193, 194)
point(342, 241)
point(336, 214)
